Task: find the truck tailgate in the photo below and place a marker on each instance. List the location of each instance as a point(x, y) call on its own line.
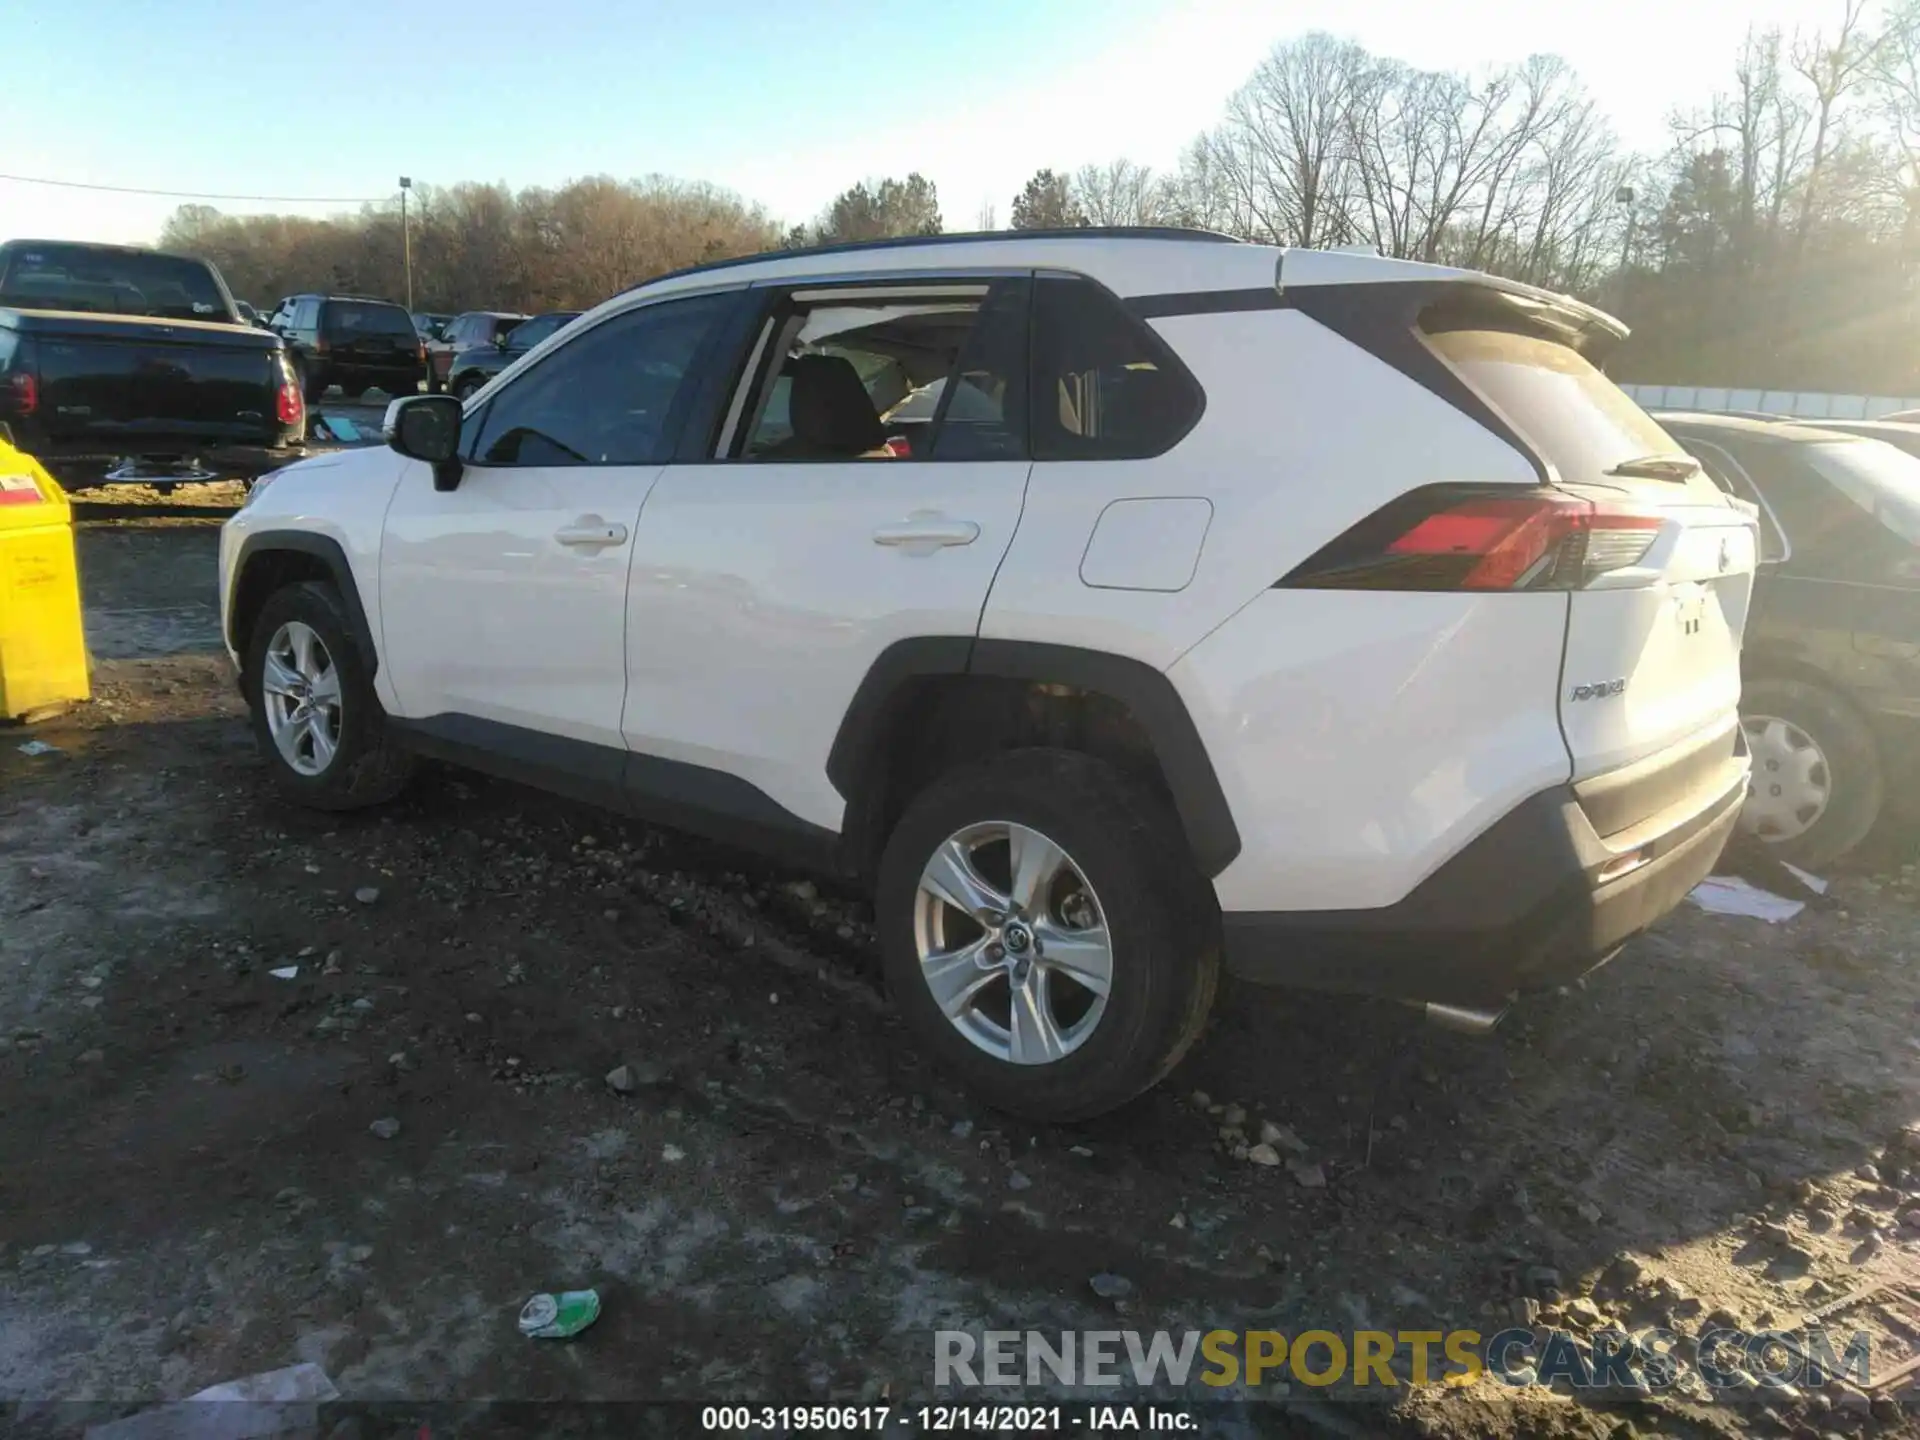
point(114, 381)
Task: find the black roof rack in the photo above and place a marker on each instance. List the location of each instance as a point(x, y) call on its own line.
point(956, 237)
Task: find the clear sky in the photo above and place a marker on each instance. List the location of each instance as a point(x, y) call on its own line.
point(785, 101)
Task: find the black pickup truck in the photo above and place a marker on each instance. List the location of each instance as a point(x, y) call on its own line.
point(118, 363)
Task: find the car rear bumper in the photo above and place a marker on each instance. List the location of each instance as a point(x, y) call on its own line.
point(1539, 899)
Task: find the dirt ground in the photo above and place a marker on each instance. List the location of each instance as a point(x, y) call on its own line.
point(789, 1201)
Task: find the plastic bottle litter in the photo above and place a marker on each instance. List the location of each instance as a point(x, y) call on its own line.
point(559, 1317)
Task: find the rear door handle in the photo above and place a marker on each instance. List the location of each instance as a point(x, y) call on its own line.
point(925, 531)
point(590, 532)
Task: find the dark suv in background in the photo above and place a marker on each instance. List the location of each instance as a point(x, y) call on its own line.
point(475, 366)
point(356, 343)
point(475, 330)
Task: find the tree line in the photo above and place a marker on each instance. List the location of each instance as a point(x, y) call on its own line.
point(1773, 242)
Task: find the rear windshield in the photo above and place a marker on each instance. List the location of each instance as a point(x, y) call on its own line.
point(1881, 480)
point(111, 282)
point(1582, 423)
point(349, 317)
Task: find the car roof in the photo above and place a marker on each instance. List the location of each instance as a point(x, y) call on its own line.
point(1808, 432)
point(1129, 260)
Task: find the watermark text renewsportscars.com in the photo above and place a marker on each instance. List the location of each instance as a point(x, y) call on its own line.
point(1645, 1360)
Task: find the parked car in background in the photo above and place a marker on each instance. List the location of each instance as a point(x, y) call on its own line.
point(355, 343)
point(1831, 667)
point(475, 330)
point(1106, 682)
point(123, 363)
point(431, 325)
point(474, 366)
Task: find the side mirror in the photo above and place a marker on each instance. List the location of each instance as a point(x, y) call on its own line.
point(427, 427)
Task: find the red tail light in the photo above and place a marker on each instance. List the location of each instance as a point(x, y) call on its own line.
point(23, 389)
point(289, 406)
point(899, 447)
point(1467, 537)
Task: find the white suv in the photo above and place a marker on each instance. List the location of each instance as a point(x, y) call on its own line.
point(1326, 616)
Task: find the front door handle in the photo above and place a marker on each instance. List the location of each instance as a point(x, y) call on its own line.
point(925, 531)
point(590, 532)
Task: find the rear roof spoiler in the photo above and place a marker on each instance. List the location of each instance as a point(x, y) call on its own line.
point(1574, 323)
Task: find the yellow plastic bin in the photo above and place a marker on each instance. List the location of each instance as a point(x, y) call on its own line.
point(43, 648)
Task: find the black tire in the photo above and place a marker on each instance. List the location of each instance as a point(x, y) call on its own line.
point(1160, 915)
point(1856, 785)
point(467, 385)
point(312, 386)
point(367, 768)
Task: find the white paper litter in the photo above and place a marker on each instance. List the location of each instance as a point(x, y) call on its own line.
point(1812, 882)
point(285, 972)
point(39, 747)
point(1730, 895)
point(270, 1403)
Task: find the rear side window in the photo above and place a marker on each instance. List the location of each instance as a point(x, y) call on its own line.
point(1580, 421)
point(1104, 386)
point(349, 317)
point(305, 314)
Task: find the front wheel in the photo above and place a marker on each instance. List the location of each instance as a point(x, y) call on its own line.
point(1039, 936)
point(467, 386)
point(1817, 786)
point(315, 716)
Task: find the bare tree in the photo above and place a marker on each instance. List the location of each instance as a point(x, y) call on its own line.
point(1833, 70)
point(1121, 193)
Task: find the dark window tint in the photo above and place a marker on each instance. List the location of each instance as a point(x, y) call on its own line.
point(982, 408)
point(1831, 536)
point(111, 282)
point(1104, 386)
point(352, 317)
point(604, 397)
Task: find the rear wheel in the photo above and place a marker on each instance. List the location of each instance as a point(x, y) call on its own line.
point(1817, 786)
point(315, 716)
point(1039, 937)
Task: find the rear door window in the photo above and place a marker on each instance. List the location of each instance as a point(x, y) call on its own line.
point(852, 374)
point(1104, 386)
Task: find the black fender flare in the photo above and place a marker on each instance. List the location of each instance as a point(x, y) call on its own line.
point(331, 554)
point(1212, 836)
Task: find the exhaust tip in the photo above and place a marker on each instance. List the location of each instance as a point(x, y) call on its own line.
point(1462, 1018)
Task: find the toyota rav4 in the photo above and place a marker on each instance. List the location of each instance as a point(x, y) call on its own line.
point(1115, 605)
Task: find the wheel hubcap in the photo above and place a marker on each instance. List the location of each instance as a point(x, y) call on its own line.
point(1013, 943)
point(300, 691)
point(1790, 785)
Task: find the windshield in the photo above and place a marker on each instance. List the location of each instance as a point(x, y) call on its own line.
point(1881, 480)
point(1583, 423)
point(113, 282)
point(350, 318)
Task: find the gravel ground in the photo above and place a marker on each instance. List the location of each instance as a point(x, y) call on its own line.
point(783, 1201)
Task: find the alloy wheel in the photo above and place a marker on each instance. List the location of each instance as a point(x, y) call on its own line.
point(300, 690)
point(1013, 943)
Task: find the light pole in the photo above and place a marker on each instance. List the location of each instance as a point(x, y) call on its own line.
point(406, 238)
point(1625, 197)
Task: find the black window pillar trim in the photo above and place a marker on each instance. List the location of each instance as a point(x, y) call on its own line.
point(1148, 694)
